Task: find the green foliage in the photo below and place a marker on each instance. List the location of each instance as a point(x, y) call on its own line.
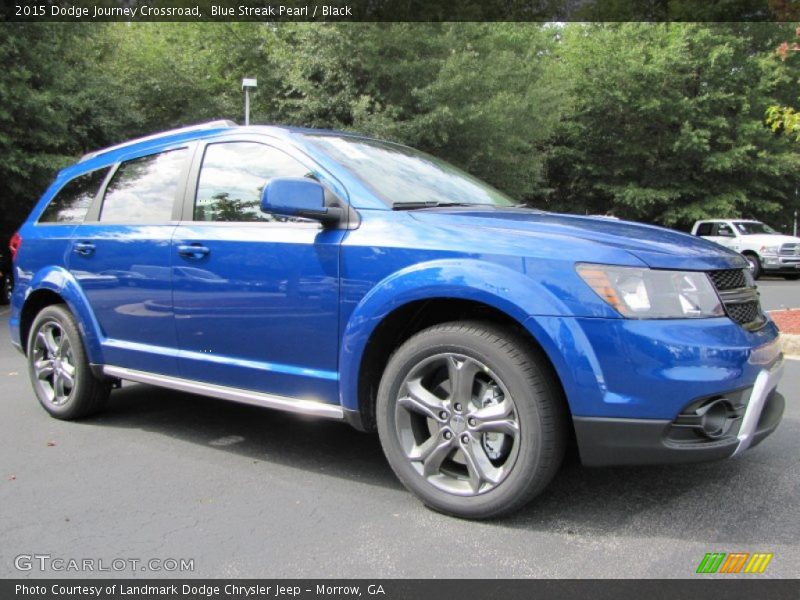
point(667, 125)
point(784, 118)
point(458, 91)
point(49, 109)
point(661, 123)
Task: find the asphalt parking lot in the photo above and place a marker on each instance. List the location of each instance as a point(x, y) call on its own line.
point(246, 492)
point(777, 293)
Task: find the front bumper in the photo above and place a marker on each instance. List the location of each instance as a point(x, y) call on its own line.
point(638, 389)
point(781, 264)
point(608, 441)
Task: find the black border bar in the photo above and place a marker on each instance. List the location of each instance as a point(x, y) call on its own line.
point(399, 10)
point(716, 587)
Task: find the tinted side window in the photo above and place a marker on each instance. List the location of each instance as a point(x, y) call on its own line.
point(232, 177)
point(143, 189)
point(704, 229)
point(725, 230)
point(73, 200)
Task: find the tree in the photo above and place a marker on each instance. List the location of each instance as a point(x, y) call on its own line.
point(784, 118)
point(53, 107)
point(661, 123)
point(479, 95)
point(666, 125)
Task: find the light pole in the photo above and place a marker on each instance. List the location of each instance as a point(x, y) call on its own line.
point(796, 197)
point(246, 85)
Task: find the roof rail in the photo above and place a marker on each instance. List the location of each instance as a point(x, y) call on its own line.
point(219, 124)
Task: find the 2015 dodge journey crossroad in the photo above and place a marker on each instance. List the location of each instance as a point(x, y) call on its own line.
point(343, 277)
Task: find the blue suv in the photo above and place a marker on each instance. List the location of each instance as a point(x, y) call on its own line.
point(338, 276)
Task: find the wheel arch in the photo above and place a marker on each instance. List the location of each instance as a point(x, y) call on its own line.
point(58, 286)
point(406, 303)
point(756, 269)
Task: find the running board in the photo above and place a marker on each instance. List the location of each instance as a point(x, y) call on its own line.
point(285, 403)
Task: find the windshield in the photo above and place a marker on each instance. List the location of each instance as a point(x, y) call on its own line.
point(406, 178)
point(753, 227)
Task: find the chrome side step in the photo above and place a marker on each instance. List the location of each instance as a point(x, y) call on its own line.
point(285, 403)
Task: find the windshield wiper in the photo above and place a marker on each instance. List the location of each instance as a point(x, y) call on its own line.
point(432, 204)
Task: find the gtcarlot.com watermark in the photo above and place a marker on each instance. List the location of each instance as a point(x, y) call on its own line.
point(58, 564)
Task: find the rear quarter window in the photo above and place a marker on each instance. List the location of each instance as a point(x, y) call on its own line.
point(73, 200)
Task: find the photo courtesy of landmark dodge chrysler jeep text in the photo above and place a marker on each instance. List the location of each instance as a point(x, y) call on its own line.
point(338, 276)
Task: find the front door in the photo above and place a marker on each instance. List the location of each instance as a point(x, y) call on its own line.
point(724, 234)
point(256, 297)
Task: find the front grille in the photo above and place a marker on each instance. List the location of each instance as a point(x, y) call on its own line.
point(745, 313)
point(729, 279)
point(739, 299)
point(791, 249)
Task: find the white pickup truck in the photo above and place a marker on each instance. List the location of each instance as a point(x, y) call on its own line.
point(767, 251)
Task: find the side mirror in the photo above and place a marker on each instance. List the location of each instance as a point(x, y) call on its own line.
point(298, 197)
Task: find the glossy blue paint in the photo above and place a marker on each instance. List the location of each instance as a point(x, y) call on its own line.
point(648, 369)
point(127, 280)
point(259, 310)
point(289, 307)
point(63, 283)
point(293, 196)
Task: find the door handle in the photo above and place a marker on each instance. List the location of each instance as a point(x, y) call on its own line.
point(83, 248)
point(195, 251)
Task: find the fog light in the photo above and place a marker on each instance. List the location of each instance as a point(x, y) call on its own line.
point(715, 420)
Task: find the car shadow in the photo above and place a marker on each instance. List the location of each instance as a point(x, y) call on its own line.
point(726, 501)
point(737, 502)
point(251, 432)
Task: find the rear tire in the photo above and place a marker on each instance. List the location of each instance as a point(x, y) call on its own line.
point(59, 370)
point(471, 419)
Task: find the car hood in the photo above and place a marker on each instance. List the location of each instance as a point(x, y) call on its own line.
point(657, 247)
point(769, 239)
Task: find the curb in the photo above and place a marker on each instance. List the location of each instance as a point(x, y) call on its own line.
point(791, 344)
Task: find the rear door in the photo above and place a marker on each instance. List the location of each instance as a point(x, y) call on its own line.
point(120, 256)
point(55, 226)
point(256, 297)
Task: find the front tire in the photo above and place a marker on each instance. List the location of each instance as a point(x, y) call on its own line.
point(755, 265)
point(59, 370)
point(471, 419)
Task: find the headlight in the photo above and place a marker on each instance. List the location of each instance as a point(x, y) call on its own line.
point(769, 250)
point(650, 294)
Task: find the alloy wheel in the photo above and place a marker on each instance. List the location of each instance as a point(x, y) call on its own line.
point(53, 363)
point(457, 424)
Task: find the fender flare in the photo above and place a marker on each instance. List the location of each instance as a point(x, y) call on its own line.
point(501, 287)
point(62, 282)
